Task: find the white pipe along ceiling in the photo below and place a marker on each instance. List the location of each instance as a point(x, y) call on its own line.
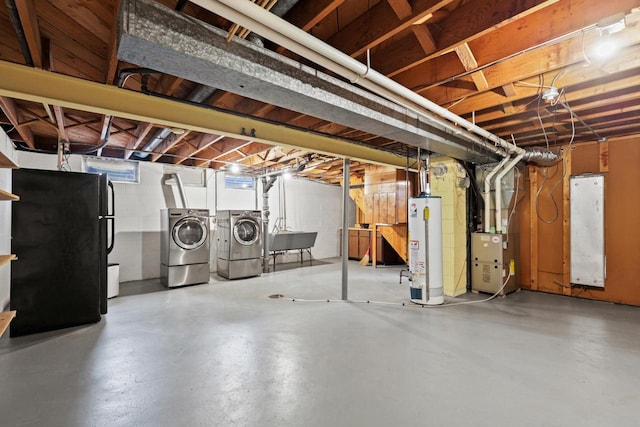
point(156, 37)
point(261, 21)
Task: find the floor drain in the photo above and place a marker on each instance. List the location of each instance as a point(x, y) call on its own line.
point(276, 296)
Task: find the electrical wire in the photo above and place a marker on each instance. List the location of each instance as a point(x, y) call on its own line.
point(539, 97)
point(565, 155)
point(584, 53)
point(553, 200)
point(403, 304)
point(10, 130)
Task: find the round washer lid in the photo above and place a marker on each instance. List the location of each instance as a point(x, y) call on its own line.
point(190, 233)
point(246, 231)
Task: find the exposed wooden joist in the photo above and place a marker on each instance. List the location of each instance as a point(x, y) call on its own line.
point(476, 18)
point(581, 83)
point(402, 8)
point(425, 38)
point(135, 144)
point(62, 131)
point(14, 115)
point(306, 14)
point(503, 42)
point(204, 141)
point(509, 90)
point(170, 142)
point(29, 21)
point(379, 24)
point(112, 58)
point(469, 63)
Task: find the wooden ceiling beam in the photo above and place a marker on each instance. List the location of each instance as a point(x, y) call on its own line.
point(402, 8)
point(476, 18)
point(403, 61)
point(170, 142)
point(14, 115)
point(29, 21)
point(469, 63)
point(307, 14)
point(136, 143)
point(568, 53)
point(112, 49)
point(62, 131)
point(593, 112)
point(425, 38)
point(379, 24)
point(583, 84)
point(509, 90)
point(205, 141)
point(466, 23)
point(226, 154)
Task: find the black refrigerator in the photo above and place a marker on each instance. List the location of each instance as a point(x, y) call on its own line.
point(62, 230)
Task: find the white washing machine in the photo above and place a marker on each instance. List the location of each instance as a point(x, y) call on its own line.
point(239, 243)
point(184, 247)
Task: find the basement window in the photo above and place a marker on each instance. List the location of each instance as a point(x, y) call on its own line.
point(117, 170)
point(239, 182)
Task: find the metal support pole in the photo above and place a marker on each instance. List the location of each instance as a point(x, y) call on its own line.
point(267, 183)
point(345, 229)
point(265, 225)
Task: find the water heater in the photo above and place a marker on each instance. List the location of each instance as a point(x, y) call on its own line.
point(425, 250)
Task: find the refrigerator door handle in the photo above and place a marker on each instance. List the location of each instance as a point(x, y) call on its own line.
point(112, 212)
point(111, 217)
point(113, 236)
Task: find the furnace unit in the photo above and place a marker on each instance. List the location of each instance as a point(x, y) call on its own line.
point(493, 260)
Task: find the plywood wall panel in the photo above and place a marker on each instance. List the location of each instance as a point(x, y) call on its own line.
point(622, 225)
point(548, 210)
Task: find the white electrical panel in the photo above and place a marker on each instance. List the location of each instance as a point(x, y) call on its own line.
point(588, 261)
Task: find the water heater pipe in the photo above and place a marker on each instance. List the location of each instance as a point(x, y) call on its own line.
point(506, 170)
point(487, 194)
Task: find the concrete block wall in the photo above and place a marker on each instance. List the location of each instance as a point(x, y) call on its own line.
point(137, 246)
point(454, 237)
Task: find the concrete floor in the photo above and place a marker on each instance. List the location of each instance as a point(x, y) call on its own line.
point(226, 354)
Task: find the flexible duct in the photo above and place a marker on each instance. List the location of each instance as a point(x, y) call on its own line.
point(501, 175)
point(487, 194)
point(198, 95)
